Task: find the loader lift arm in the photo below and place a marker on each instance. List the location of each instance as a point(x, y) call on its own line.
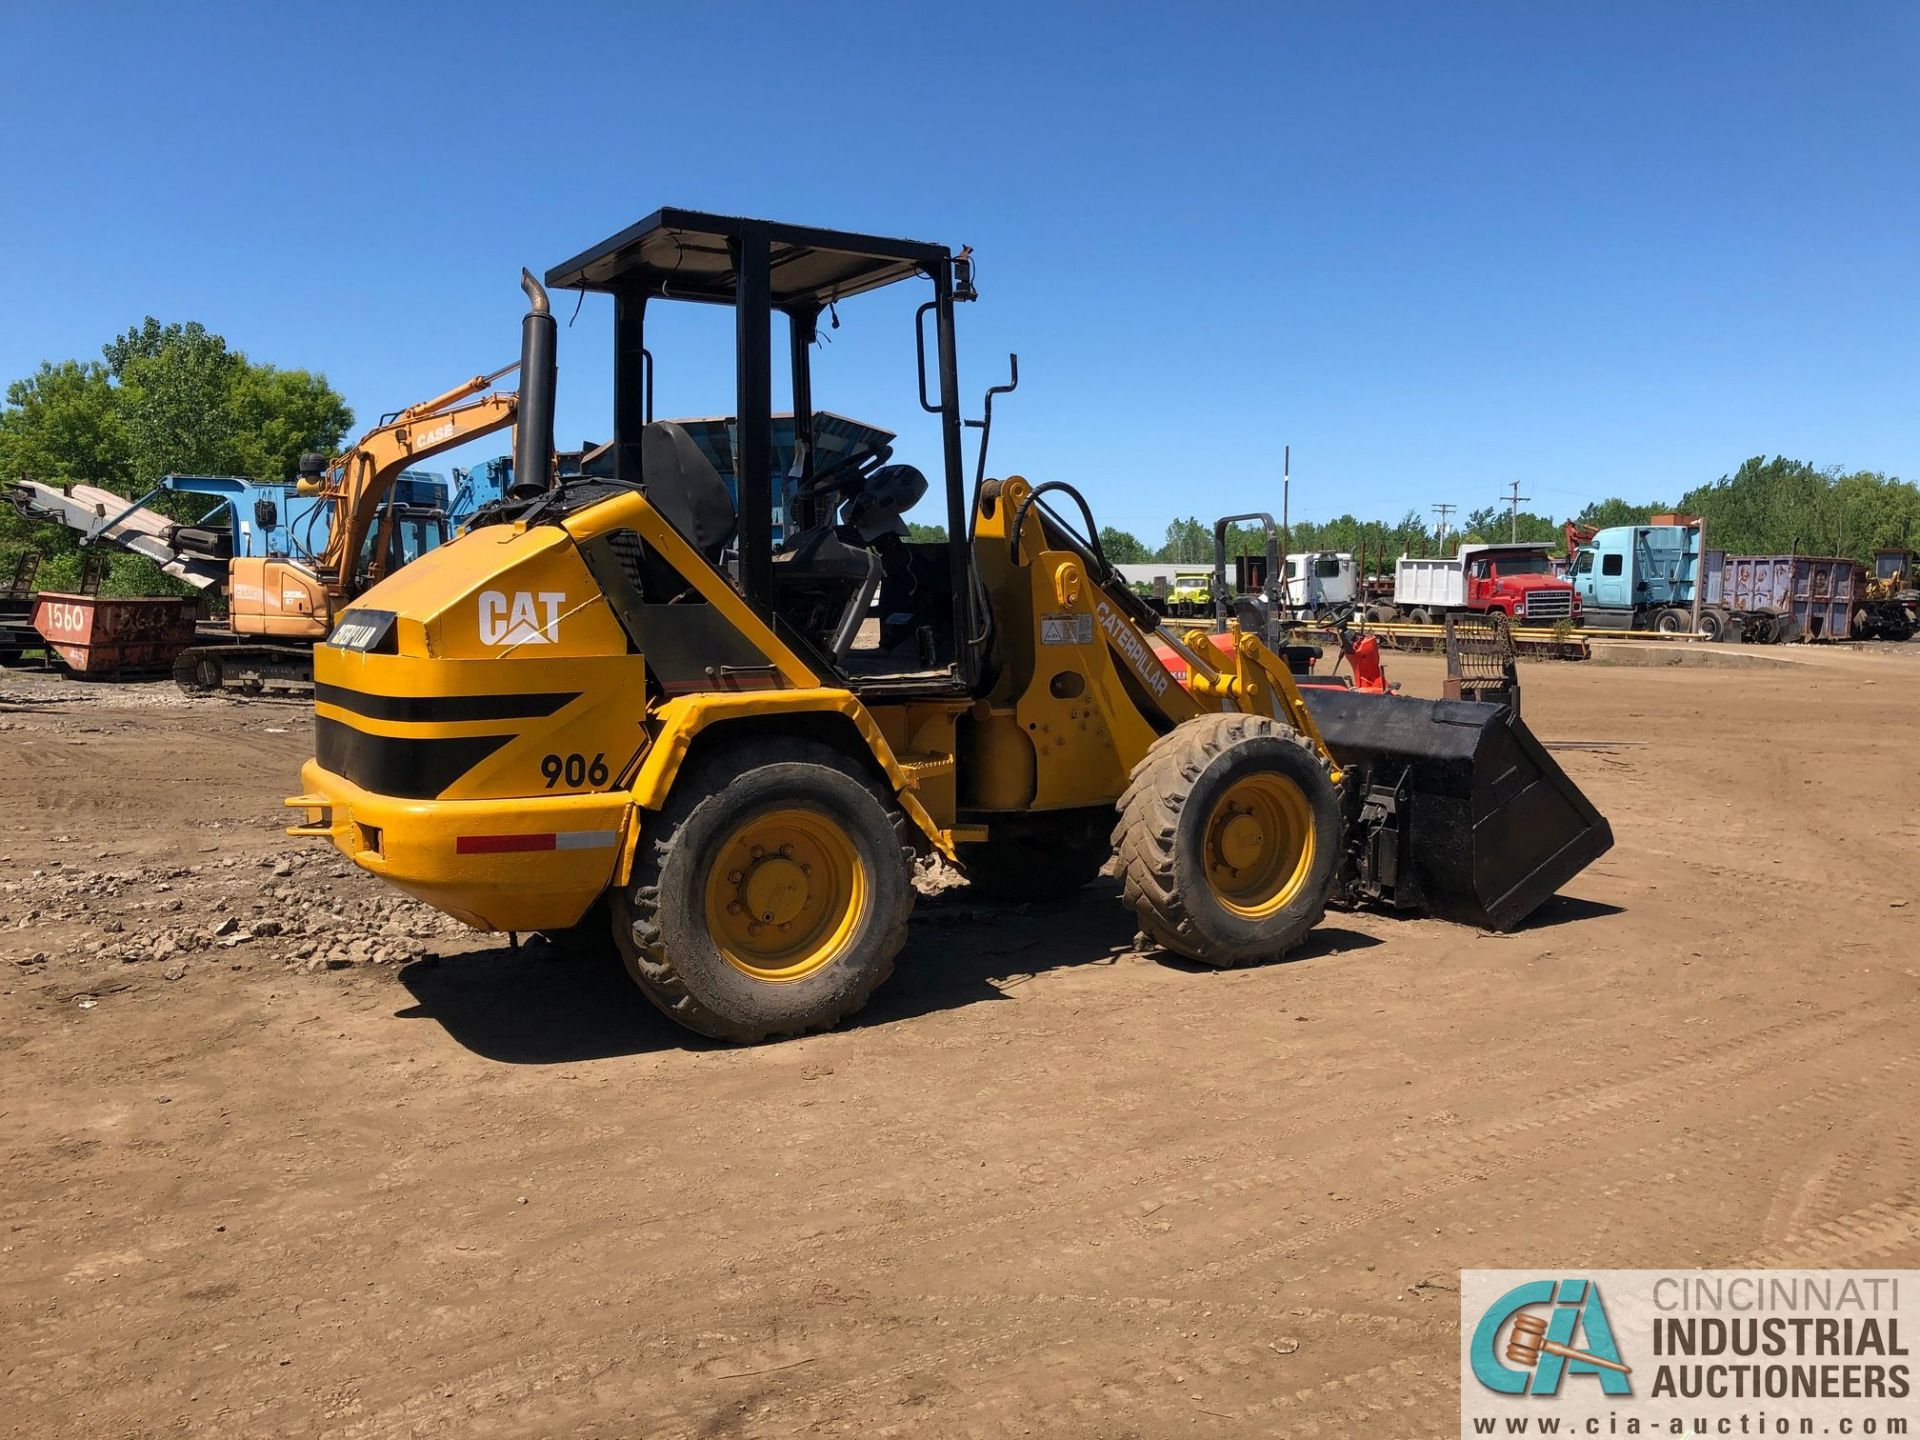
point(1252, 678)
point(1452, 806)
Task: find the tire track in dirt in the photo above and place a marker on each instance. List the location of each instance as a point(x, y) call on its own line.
point(1008, 1329)
point(1571, 1117)
point(1431, 1390)
point(1566, 1116)
point(1882, 1230)
point(1703, 1161)
point(1465, 1164)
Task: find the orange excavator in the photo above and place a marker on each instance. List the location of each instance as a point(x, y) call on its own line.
point(280, 606)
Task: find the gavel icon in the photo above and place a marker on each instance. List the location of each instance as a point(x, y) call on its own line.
point(1528, 1342)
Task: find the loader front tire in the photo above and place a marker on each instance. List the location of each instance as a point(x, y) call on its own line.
point(769, 894)
point(1229, 839)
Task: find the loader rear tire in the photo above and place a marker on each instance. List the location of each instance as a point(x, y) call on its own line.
point(1229, 839)
point(769, 894)
point(1039, 857)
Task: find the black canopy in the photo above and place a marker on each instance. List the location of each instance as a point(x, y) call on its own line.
point(686, 255)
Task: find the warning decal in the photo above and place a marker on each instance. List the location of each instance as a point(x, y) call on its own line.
point(1067, 629)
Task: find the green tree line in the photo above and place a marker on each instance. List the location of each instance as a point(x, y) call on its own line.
point(1766, 507)
point(179, 399)
point(162, 399)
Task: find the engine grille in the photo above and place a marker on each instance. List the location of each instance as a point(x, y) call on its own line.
point(1548, 604)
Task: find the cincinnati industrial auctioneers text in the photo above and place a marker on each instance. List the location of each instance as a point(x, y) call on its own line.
point(1726, 1338)
point(1688, 1352)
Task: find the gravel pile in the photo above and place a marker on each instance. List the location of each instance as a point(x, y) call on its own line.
point(307, 913)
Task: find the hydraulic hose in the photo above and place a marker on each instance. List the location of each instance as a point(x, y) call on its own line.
point(1089, 551)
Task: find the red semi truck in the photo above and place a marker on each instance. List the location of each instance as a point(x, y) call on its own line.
point(1515, 579)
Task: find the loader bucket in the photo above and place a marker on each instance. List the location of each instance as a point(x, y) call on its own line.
point(1464, 813)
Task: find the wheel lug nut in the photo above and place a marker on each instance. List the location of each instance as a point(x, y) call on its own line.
point(786, 850)
point(758, 851)
point(734, 907)
point(734, 877)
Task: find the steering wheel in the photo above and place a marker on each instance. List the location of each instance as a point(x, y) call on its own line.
point(835, 477)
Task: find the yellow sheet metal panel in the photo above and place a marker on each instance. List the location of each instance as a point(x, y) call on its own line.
point(563, 726)
point(520, 864)
point(997, 768)
point(677, 723)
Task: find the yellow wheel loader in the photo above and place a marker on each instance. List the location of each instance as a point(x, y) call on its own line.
point(623, 690)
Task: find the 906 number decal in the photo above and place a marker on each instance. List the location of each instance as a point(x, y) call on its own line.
point(576, 770)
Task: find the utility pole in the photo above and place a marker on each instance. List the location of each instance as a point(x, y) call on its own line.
point(1286, 495)
point(1440, 537)
point(1514, 497)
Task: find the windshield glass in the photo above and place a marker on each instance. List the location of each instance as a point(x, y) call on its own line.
point(1520, 562)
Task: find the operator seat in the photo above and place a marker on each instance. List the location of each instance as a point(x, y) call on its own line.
point(683, 486)
point(825, 587)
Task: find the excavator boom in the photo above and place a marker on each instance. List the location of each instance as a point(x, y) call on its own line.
point(359, 479)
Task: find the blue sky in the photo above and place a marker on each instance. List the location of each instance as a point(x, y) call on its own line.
point(1600, 249)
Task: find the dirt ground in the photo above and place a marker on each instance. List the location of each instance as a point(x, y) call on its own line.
point(287, 1155)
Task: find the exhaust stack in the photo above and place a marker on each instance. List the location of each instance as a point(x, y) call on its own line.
point(539, 377)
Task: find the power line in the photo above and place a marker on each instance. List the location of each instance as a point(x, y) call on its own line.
point(1440, 536)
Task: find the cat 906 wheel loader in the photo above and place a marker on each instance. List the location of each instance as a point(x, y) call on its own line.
point(624, 691)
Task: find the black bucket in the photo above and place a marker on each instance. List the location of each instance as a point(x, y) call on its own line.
point(1462, 813)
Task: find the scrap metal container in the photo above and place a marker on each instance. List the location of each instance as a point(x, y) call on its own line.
point(1815, 592)
point(104, 636)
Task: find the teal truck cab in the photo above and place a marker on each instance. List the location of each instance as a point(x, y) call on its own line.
point(1642, 577)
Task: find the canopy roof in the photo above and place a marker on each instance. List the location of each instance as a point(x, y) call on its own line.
point(684, 255)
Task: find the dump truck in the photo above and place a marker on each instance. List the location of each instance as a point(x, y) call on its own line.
point(1515, 580)
point(619, 709)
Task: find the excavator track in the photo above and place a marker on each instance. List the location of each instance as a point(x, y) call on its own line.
point(278, 670)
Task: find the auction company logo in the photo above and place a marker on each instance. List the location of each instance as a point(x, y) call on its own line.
point(1573, 1337)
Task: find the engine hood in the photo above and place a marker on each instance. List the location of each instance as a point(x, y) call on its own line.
point(501, 592)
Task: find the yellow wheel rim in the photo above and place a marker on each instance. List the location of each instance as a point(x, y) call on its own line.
point(1259, 845)
point(786, 894)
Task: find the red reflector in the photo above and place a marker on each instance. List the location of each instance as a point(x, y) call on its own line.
point(498, 844)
